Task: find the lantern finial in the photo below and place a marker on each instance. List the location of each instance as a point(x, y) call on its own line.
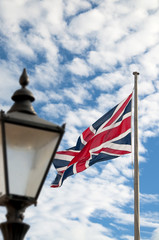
point(23, 97)
point(24, 80)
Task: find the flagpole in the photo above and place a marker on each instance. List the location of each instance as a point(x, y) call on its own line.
point(136, 163)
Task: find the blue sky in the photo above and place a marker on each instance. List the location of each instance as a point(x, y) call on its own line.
point(80, 56)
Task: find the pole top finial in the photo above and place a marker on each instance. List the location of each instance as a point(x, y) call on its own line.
point(136, 73)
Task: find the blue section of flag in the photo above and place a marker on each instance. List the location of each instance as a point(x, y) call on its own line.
point(124, 140)
point(103, 119)
point(101, 157)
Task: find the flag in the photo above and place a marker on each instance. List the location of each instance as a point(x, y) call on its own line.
point(108, 138)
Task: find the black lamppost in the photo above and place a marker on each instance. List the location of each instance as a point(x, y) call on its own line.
point(27, 147)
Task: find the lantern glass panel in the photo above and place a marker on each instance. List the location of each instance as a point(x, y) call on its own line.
point(29, 151)
point(2, 175)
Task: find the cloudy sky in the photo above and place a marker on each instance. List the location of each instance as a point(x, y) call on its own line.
point(80, 56)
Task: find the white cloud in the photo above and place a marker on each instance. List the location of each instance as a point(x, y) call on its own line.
point(53, 15)
point(106, 102)
point(109, 81)
point(103, 59)
point(148, 89)
point(82, 118)
point(10, 73)
point(155, 235)
point(149, 62)
point(72, 7)
point(77, 121)
point(55, 110)
point(148, 107)
point(77, 94)
point(147, 5)
point(127, 237)
point(87, 22)
point(45, 73)
point(149, 198)
point(79, 67)
point(73, 43)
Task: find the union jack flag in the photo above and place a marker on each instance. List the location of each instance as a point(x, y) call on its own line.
point(108, 138)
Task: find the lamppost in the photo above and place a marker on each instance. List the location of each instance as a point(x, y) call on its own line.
point(27, 147)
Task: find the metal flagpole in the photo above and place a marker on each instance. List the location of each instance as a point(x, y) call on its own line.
point(136, 163)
